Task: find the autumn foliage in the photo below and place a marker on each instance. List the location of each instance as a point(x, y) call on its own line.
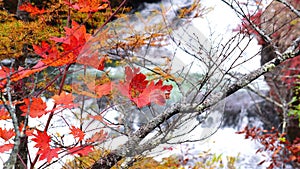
point(141, 91)
point(281, 25)
point(48, 98)
point(275, 143)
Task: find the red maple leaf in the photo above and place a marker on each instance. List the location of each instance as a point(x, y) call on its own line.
point(22, 73)
point(50, 54)
point(64, 100)
point(99, 118)
point(28, 131)
point(141, 91)
point(88, 5)
point(6, 147)
point(92, 61)
point(103, 89)
point(42, 140)
point(14, 76)
point(77, 133)
point(95, 91)
point(37, 107)
point(48, 154)
point(154, 92)
point(81, 150)
point(6, 134)
point(75, 37)
point(4, 115)
point(247, 28)
point(72, 44)
point(33, 10)
point(4, 73)
point(290, 74)
point(97, 137)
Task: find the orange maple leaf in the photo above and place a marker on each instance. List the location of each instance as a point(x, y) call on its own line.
point(14, 76)
point(22, 73)
point(81, 150)
point(97, 137)
point(5, 72)
point(4, 115)
point(37, 107)
point(93, 61)
point(6, 134)
point(77, 133)
point(95, 91)
point(50, 54)
point(88, 5)
point(6, 147)
point(72, 44)
point(64, 100)
point(33, 10)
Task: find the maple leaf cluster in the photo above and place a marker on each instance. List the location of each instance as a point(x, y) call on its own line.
point(247, 28)
point(6, 134)
point(4, 115)
point(46, 151)
point(21, 73)
point(88, 6)
point(93, 88)
point(42, 140)
point(72, 44)
point(33, 10)
point(64, 51)
point(141, 91)
point(36, 107)
point(281, 150)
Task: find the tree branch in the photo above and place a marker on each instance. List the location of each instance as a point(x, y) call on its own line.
point(284, 2)
point(129, 148)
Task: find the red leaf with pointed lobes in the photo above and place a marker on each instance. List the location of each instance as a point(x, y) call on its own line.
point(48, 154)
point(72, 44)
point(93, 61)
point(4, 115)
point(88, 5)
point(4, 73)
point(81, 150)
point(97, 137)
point(141, 91)
point(50, 54)
point(130, 73)
point(99, 90)
point(28, 131)
point(6, 147)
point(64, 100)
point(42, 140)
point(75, 34)
point(77, 133)
point(6, 134)
point(33, 10)
point(99, 118)
point(37, 107)
point(22, 73)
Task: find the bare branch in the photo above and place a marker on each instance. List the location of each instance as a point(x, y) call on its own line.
point(291, 7)
point(129, 148)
